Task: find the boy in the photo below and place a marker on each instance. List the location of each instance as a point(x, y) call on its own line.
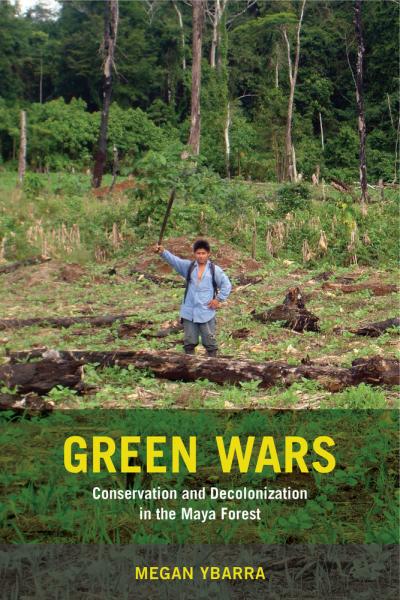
point(206, 287)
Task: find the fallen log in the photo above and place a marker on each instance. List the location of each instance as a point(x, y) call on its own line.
point(30, 402)
point(41, 377)
point(243, 279)
point(377, 289)
point(323, 276)
point(376, 329)
point(96, 321)
point(168, 329)
point(11, 267)
point(240, 334)
point(348, 278)
point(128, 330)
point(180, 367)
point(375, 371)
point(341, 186)
point(292, 313)
point(157, 279)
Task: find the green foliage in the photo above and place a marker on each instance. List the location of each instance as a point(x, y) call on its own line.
point(61, 135)
point(61, 394)
point(291, 197)
point(342, 154)
point(362, 396)
point(33, 184)
point(133, 133)
point(56, 57)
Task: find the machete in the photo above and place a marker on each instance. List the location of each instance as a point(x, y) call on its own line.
point(167, 212)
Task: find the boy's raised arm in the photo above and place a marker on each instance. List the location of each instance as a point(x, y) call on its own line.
point(181, 265)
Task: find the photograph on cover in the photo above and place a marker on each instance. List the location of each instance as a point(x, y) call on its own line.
point(199, 308)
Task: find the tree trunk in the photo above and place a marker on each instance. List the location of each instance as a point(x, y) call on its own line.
point(109, 42)
point(227, 141)
point(362, 132)
point(292, 313)
point(180, 20)
point(322, 132)
point(41, 81)
point(214, 38)
point(42, 376)
point(396, 152)
point(290, 168)
point(194, 137)
point(115, 168)
point(22, 148)
point(294, 165)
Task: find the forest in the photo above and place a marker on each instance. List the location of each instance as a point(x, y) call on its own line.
point(51, 66)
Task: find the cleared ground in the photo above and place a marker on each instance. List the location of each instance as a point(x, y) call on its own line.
point(60, 289)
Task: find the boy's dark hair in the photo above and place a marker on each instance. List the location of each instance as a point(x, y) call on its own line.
point(201, 245)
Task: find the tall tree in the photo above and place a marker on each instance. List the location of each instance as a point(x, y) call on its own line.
point(22, 149)
point(290, 157)
point(197, 35)
point(182, 31)
point(362, 131)
point(109, 42)
point(215, 14)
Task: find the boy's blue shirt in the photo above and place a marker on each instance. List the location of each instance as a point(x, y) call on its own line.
point(199, 292)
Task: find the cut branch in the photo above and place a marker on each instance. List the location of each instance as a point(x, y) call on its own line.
point(376, 329)
point(377, 289)
point(11, 267)
point(97, 321)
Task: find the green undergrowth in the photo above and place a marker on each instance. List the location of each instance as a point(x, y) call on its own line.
point(57, 214)
point(41, 502)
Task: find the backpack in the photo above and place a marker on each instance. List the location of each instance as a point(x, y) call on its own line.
point(189, 274)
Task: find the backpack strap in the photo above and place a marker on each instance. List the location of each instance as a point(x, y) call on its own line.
point(189, 275)
point(214, 281)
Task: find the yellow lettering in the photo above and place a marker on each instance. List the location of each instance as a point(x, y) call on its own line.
point(204, 571)
point(103, 455)
point(81, 465)
point(179, 451)
point(268, 445)
point(260, 573)
point(154, 573)
point(152, 453)
point(330, 459)
point(165, 573)
point(292, 455)
point(141, 573)
point(127, 453)
point(235, 449)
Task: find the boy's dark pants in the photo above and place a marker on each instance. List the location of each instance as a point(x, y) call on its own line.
point(206, 331)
